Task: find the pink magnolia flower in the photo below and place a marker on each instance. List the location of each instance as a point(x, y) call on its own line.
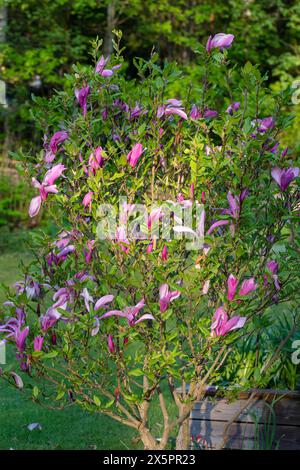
point(38, 343)
point(201, 227)
point(81, 96)
point(150, 248)
point(134, 155)
point(96, 160)
point(232, 284)
point(166, 296)
point(220, 41)
point(47, 186)
point(122, 240)
point(248, 285)
point(284, 176)
point(164, 253)
point(111, 344)
point(154, 216)
point(87, 200)
point(130, 313)
point(222, 324)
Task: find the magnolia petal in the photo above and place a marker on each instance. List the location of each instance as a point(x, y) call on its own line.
point(18, 380)
point(35, 206)
point(217, 224)
point(103, 301)
point(145, 317)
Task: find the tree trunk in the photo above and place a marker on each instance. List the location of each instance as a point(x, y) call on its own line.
point(150, 443)
point(110, 25)
point(183, 436)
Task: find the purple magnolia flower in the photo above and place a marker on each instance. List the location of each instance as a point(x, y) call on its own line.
point(232, 284)
point(172, 106)
point(222, 324)
point(217, 224)
point(57, 139)
point(61, 298)
point(234, 204)
point(62, 255)
point(272, 266)
point(284, 152)
point(103, 301)
point(87, 200)
point(134, 154)
point(195, 113)
point(100, 67)
point(81, 96)
point(244, 194)
point(210, 113)
point(220, 41)
point(31, 288)
point(89, 251)
point(101, 64)
point(284, 176)
point(136, 112)
point(233, 107)
point(265, 124)
point(248, 285)
point(130, 314)
point(87, 298)
point(38, 343)
point(166, 296)
point(47, 186)
point(20, 338)
point(48, 321)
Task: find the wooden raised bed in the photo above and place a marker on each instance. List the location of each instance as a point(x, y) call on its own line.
point(210, 418)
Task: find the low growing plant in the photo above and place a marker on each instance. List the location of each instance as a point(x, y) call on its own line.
point(112, 323)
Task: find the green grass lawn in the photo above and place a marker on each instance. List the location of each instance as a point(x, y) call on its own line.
point(69, 429)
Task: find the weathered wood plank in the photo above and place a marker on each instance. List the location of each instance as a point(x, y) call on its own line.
point(245, 435)
point(287, 411)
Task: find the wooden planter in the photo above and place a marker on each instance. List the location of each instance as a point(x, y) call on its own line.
point(251, 425)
